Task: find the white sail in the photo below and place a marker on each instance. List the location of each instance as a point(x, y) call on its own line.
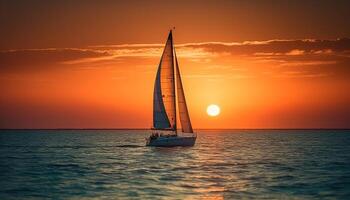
point(164, 107)
point(183, 111)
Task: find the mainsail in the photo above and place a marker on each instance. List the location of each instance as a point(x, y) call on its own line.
point(183, 111)
point(164, 107)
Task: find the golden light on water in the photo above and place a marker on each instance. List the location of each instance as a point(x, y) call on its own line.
point(213, 110)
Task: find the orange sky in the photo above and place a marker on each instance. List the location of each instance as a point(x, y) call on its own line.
point(92, 64)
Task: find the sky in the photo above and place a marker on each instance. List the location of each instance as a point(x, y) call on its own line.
point(92, 64)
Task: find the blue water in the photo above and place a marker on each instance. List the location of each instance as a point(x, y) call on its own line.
point(230, 164)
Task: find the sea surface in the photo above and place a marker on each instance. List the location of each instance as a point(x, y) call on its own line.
point(224, 164)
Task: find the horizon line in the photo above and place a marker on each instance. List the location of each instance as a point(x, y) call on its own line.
point(2, 129)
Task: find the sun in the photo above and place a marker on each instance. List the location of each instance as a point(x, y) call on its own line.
point(213, 110)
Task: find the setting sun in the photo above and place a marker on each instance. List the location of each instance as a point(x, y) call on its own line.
point(213, 110)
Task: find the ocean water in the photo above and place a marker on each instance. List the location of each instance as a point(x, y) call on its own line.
point(224, 164)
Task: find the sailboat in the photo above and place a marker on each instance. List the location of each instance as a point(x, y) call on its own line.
point(167, 87)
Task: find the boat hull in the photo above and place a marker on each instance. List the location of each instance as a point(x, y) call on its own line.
point(172, 141)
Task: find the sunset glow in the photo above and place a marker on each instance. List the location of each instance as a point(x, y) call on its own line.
point(262, 73)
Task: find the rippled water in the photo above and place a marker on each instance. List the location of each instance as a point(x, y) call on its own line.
point(230, 164)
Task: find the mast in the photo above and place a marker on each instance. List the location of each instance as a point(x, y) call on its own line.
point(174, 92)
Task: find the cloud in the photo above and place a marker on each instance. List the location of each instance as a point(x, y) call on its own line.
point(323, 51)
point(274, 46)
point(330, 54)
point(300, 74)
point(259, 48)
point(42, 59)
point(295, 52)
point(308, 63)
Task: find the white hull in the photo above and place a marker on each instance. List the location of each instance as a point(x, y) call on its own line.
point(172, 141)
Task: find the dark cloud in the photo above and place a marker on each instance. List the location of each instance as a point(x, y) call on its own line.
point(276, 46)
point(41, 59)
